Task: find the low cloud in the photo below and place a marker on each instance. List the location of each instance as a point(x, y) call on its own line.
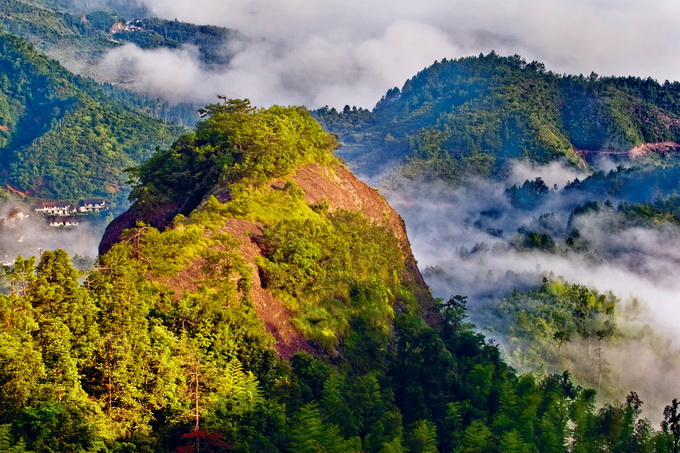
point(318, 70)
point(336, 53)
point(552, 174)
point(464, 241)
point(25, 233)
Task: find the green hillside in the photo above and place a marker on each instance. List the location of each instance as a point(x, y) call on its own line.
point(128, 7)
point(62, 32)
point(78, 36)
point(61, 136)
point(267, 319)
point(74, 34)
point(154, 33)
point(469, 116)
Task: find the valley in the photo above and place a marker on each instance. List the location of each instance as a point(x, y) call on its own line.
point(483, 262)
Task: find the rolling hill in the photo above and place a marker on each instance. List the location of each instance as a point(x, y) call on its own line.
point(78, 36)
point(472, 115)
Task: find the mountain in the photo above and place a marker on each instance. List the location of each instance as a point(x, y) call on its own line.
point(78, 35)
point(470, 116)
point(268, 179)
point(270, 303)
point(61, 136)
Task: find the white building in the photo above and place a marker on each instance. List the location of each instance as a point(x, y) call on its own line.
point(92, 205)
point(54, 208)
point(66, 222)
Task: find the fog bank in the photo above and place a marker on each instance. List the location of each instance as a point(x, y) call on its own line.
point(336, 53)
point(468, 241)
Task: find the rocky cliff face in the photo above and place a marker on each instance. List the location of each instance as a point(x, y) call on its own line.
point(332, 185)
point(320, 252)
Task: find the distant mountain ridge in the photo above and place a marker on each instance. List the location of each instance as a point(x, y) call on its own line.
point(78, 36)
point(469, 116)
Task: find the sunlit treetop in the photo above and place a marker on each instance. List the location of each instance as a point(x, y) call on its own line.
point(235, 142)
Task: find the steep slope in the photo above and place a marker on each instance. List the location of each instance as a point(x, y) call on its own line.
point(278, 310)
point(299, 186)
point(61, 136)
point(469, 116)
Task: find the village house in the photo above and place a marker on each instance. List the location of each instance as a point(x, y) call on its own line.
point(120, 27)
point(65, 222)
point(54, 208)
point(92, 205)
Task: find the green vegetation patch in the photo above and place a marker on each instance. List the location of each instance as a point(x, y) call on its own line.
point(61, 137)
point(235, 143)
point(332, 272)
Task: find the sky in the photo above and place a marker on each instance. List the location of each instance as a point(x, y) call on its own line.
point(346, 52)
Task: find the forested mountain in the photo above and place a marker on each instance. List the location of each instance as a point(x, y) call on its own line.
point(275, 306)
point(471, 115)
point(130, 8)
point(259, 297)
point(75, 34)
point(61, 136)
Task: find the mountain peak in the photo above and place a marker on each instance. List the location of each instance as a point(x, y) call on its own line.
point(264, 186)
point(473, 115)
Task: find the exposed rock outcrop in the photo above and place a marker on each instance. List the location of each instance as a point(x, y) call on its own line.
point(334, 185)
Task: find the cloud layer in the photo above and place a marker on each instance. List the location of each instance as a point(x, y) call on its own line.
point(463, 241)
point(23, 232)
point(337, 52)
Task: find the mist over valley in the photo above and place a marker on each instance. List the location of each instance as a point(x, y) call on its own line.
point(511, 285)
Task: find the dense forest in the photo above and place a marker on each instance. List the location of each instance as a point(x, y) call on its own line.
point(232, 309)
point(61, 136)
point(474, 114)
point(160, 347)
point(73, 33)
